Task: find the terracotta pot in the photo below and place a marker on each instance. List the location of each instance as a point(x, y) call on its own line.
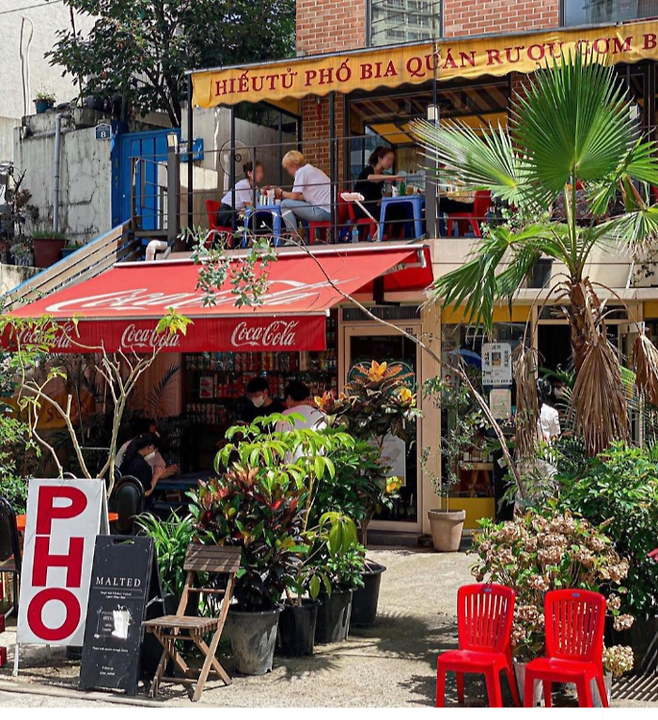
point(519, 671)
point(447, 527)
point(47, 251)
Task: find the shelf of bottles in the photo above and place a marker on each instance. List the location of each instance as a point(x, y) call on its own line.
point(215, 383)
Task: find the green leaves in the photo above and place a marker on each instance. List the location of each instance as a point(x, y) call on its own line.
point(573, 122)
point(140, 49)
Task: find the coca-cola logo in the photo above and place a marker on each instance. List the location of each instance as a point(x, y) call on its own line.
point(38, 336)
point(134, 338)
point(279, 333)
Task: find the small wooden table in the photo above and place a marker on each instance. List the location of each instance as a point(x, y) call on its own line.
point(21, 519)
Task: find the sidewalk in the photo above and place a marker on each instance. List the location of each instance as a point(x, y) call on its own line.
point(390, 665)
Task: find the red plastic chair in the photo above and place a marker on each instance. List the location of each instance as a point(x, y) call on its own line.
point(484, 623)
point(212, 208)
point(318, 225)
point(481, 205)
point(366, 222)
point(574, 622)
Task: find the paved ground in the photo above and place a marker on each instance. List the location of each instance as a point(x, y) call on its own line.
point(391, 665)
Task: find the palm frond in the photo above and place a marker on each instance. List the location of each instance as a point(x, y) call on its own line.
point(645, 362)
point(636, 230)
point(479, 161)
point(573, 123)
point(598, 403)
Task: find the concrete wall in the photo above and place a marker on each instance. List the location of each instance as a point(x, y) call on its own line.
point(21, 80)
point(12, 275)
point(85, 206)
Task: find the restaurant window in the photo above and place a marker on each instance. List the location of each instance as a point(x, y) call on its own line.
point(594, 12)
point(399, 21)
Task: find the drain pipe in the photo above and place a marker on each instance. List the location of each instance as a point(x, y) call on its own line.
point(153, 247)
point(58, 147)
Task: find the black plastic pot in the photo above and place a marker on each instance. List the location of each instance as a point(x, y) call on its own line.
point(642, 637)
point(365, 599)
point(333, 623)
point(297, 629)
point(253, 638)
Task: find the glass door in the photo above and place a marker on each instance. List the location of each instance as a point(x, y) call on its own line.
point(365, 343)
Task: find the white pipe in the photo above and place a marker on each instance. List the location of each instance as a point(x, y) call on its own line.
point(58, 147)
point(153, 247)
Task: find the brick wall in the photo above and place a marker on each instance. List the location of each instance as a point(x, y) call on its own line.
point(476, 17)
point(315, 140)
point(330, 25)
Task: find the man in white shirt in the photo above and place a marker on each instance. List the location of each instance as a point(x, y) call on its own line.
point(549, 418)
point(310, 198)
point(244, 194)
point(297, 397)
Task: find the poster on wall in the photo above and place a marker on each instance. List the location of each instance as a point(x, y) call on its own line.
point(496, 364)
point(63, 519)
point(500, 403)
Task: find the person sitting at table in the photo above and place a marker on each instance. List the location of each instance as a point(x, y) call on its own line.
point(157, 462)
point(135, 461)
point(261, 403)
point(310, 198)
point(244, 194)
point(370, 184)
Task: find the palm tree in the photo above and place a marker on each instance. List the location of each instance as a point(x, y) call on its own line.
point(572, 137)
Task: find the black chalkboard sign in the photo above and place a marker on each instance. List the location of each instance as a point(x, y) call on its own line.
point(124, 584)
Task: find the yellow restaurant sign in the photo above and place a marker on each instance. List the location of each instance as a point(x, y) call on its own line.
point(415, 64)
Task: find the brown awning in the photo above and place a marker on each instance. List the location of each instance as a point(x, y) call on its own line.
point(447, 59)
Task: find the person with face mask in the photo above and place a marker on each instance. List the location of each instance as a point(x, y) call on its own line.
point(260, 402)
point(136, 461)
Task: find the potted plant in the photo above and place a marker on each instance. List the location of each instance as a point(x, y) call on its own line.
point(378, 402)
point(43, 101)
point(344, 570)
point(22, 254)
point(462, 422)
point(617, 661)
point(48, 245)
point(335, 534)
point(358, 488)
point(261, 504)
point(69, 249)
point(541, 551)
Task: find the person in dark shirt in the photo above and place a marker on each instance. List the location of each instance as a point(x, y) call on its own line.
point(136, 461)
point(370, 184)
point(260, 403)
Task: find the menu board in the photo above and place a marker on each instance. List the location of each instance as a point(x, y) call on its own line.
point(124, 583)
point(497, 364)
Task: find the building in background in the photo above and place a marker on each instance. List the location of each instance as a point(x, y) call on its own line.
point(28, 30)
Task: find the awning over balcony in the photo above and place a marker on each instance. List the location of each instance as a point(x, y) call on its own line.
point(120, 309)
point(447, 59)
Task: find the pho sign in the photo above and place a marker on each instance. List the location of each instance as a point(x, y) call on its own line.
point(63, 519)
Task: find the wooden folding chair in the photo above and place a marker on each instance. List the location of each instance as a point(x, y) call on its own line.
point(170, 628)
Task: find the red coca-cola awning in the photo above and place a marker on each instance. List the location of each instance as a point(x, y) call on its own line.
point(119, 309)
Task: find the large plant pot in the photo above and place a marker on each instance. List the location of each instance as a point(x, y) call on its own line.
point(642, 636)
point(519, 672)
point(333, 623)
point(47, 251)
point(365, 599)
point(297, 629)
point(447, 527)
point(253, 639)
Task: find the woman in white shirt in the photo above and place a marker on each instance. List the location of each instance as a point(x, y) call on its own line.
point(310, 198)
point(244, 194)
